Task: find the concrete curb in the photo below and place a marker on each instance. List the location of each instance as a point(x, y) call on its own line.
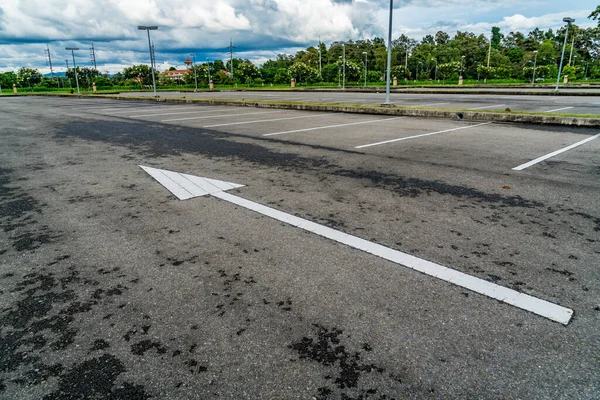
point(395, 111)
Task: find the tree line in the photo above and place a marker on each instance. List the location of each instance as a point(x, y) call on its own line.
point(439, 57)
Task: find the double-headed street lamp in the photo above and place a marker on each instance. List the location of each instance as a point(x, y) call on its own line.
point(74, 65)
point(569, 21)
point(194, 68)
point(148, 29)
point(365, 54)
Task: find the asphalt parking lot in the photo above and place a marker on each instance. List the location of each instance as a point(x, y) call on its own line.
point(581, 104)
point(111, 287)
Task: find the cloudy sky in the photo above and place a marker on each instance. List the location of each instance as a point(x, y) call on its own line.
point(260, 29)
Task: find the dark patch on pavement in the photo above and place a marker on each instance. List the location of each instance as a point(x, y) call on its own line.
point(160, 140)
point(414, 187)
point(326, 349)
point(94, 379)
point(99, 344)
point(142, 347)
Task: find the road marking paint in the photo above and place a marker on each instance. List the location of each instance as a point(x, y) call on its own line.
point(160, 108)
point(332, 126)
point(265, 120)
point(481, 108)
point(422, 135)
point(560, 109)
point(220, 116)
point(179, 112)
point(186, 186)
point(554, 153)
point(429, 105)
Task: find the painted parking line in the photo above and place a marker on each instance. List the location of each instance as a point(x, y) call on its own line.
point(484, 107)
point(179, 112)
point(421, 135)
point(220, 116)
point(554, 153)
point(560, 109)
point(429, 105)
point(163, 108)
point(332, 126)
point(265, 120)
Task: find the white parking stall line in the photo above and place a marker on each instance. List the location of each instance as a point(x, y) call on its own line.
point(265, 120)
point(560, 109)
point(421, 135)
point(220, 116)
point(429, 105)
point(331, 126)
point(163, 108)
point(176, 113)
point(554, 153)
point(484, 107)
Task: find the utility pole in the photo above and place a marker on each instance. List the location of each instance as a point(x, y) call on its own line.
point(389, 56)
point(93, 56)
point(74, 65)
point(47, 51)
point(344, 68)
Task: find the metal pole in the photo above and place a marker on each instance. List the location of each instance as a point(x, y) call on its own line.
point(208, 69)
point(194, 67)
point(74, 66)
point(568, 21)
point(389, 57)
point(344, 68)
point(572, 46)
point(320, 72)
point(365, 53)
point(534, 66)
point(151, 63)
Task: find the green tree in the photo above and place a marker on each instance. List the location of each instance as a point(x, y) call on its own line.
point(27, 77)
point(136, 72)
point(496, 37)
point(303, 73)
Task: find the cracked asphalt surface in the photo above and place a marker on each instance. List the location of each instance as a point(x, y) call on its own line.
point(112, 288)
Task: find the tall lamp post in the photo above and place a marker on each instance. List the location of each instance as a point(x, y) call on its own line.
point(568, 20)
point(74, 65)
point(208, 68)
point(344, 67)
point(534, 67)
point(365, 53)
point(148, 29)
point(194, 67)
point(340, 72)
point(389, 56)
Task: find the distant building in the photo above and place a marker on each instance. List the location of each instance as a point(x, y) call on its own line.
point(177, 74)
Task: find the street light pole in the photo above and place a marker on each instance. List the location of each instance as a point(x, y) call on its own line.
point(208, 68)
point(389, 57)
point(194, 67)
point(568, 20)
point(148, 29)
point(365, 53)
point(74, 65)
point(534, 67)
point(344, 67)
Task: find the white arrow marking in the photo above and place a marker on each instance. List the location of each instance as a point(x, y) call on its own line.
point(185, 186)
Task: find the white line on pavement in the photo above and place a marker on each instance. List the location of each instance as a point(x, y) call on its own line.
point(179, 112)
point(428, 105)
point(560, 109)
point(526, 302)
point(220, 116)
point(554, 153)
point(332, 126)
point(418, 136)
point(265, 120)
point(481, 108)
